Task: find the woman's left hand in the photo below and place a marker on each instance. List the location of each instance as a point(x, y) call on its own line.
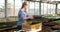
point(31, 17)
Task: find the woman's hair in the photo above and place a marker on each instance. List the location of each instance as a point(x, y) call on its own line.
point(25, 3)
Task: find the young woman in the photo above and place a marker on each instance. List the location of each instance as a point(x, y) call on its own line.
point(23, 16)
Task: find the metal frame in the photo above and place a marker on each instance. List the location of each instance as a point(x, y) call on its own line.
point(40, 8)
point(49, 2)
point(5, 8)
point(56, 9)
point(53, 2)
point(34, 1)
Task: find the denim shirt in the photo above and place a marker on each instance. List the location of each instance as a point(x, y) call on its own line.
point(22, 14)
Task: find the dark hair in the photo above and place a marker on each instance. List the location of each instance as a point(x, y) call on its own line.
point(25, 3)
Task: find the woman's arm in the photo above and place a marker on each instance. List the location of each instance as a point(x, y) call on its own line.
point(25, 18)
point(29, 17)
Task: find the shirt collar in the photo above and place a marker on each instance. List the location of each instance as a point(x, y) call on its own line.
point(23, 10)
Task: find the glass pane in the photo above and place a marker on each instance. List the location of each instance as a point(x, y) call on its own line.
point(52, 9)
point(36, 8)
point(2, 8)
point(10, 8)
point(58, 6)
point(58, 10)
point(31, 8)
point(42, 8)
point(47, 8)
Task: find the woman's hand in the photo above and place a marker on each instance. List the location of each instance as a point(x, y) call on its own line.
point(31, 17)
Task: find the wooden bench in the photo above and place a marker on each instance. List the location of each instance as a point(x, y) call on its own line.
point(8, 28)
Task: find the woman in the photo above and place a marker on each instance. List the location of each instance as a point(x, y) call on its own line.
point(22, 15)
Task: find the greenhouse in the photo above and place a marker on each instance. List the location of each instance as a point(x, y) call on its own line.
point(46, 15)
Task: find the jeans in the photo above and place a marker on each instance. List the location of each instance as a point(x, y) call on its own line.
point(19, 27)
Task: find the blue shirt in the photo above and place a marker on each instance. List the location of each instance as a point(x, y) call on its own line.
point(21, 15)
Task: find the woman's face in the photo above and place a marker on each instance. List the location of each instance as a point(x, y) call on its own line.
point(26, 6)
